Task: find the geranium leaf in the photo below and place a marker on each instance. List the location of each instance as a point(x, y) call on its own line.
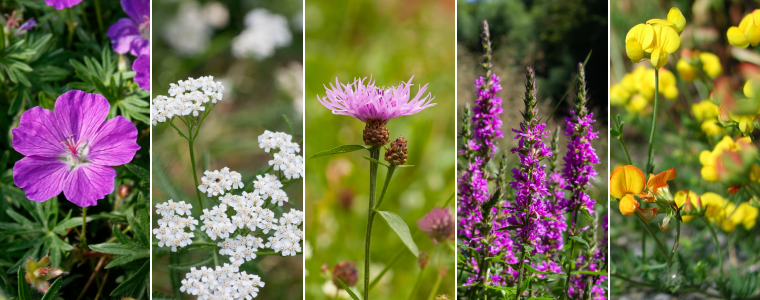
point(53, 290)
point(23, 288)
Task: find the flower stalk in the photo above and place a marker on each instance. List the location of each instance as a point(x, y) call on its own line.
point(374, 153)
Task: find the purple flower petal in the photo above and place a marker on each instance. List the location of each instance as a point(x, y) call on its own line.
point(138, 10)
point(142, 67)
point(80, 114)
point(61, 4)
point(28, 25)
point(41, 178)
point(86, 184)
point(140, 47)
point(38, 134)
point(115, 143)
point(122, 34)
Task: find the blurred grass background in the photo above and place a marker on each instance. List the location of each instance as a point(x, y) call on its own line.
point(677, 145)
point(390, 40)
point(254, 100)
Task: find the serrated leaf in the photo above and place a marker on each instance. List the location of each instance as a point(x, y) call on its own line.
point(136, 285)
point(123, 239)
point(399, 226)
point(349, 291)
point(117, 249)
point(189, 265)
point(138, 231)
point(339, 150)
point(53, 290)
point(125, 259)
point(23, 288)
point(141, 172)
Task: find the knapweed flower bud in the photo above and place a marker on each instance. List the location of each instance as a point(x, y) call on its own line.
point(396, 154)
point(423, 260)
point(345, 271)
point(376, 133)
point(438, 225)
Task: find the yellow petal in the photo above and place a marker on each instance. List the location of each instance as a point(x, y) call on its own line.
point(643, 34)
point(660, 180)
point(634, 51)
point(685, 70)
point(676, 17)
point(659, 58)
point(626, 180)
point(670, 92)
point(711, 64)
point(709, 173)
point(628, 205)
point(737, 37)
point(662, 22)
point(667, 39)
point(753, 34)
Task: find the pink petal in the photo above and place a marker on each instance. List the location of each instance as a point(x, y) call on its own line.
point(41, 178)
point(80, 114)
point(88, 184)
point(115, 143)
point(38, 134)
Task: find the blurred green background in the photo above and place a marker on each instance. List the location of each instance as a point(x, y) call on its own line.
point(678, 143)
point(257, 95)
point(390, 40)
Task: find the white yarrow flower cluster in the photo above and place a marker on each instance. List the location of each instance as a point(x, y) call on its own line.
point(171, 231)
point(217, 182)
point(222, 283)
point(264, 33)
point(186, 97)
point(291, 164)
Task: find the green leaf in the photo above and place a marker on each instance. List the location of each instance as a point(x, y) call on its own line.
point(123, 239)
point(137, 228)
point(349, 291)
point(398, 225)
point(375, 161)
point(339, 150)
point(136, 285)
point(287, 121)
point(590, 272)
point(53, 290)
point(70, 223)
point(579, 240)
point(23, 288)
point(532, 269)
point(513, 227)
point(139, 171)
point(189, 265)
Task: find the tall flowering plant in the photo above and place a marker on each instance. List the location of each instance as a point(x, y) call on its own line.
point(519, 230)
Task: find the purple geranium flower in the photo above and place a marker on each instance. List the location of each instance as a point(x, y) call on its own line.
point(61, 4)
point(72, 149)
point(141, 65)
point(132, 34)
point(371, 103)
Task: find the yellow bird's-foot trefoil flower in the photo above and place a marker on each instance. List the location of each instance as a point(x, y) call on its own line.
point(656, 39)
point(717, 210)
point(732, 162)
point(693, 60)
point(627, 183)
point(748, 32)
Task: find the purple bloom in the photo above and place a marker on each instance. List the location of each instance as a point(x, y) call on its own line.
point(28, 25)
point(486, 122)
point(438, 225)
point(141, 66)
point(132, 34)
point(72, 149)
point(61, 4)
point(367, 102)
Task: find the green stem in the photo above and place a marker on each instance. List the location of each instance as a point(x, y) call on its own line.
point(84, 228)
point(570, 261)
point(71, 27)
point(416, 283)
point(436, 285)
point(388, 176)
point(195, 174)
point(216, 260)
point(175, 277)
point(100, 18)
point(644, 247)
point(386, 269)
point(654, 122)
point(520, 275)
point(374, 153)
point(678, 237)
point(717, 244)
point(625, 149)
point(660, 245)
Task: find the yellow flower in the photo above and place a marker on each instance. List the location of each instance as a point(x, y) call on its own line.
point(713, 167)
point(744, 215)
point(751, 87)
point(744, 122)
point(686, 70)
point(711, 64)
point(637, 105)
point(666, 42)
point(705, 110)
point(637, 40)
point(748, 32)
point(711, 127)
point(667, 84)
point(625, 183)
point(655, 39)
point(619, 95)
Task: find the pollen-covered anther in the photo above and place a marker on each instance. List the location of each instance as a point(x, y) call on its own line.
point(376, 133)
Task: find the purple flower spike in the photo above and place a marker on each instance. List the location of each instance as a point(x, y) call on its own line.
point(61, 4)
point(438, 225)
point(367, 102)
point(131, 35)
point(141, 65)
point(72, 149)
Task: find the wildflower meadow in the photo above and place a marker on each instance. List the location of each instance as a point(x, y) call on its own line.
point(685, 185)
point(74, 166)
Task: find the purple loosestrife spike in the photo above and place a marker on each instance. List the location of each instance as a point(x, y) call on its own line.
point(72, 150)
point(486, 122)
point(583, 286)
point(553, 239)
point(578, 169)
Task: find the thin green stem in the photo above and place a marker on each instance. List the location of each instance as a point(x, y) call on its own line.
point(216, 260)
point(374, 153)
point(570, 261)
point(178, 131)
point(197, 128)
point(416, 283)
point(644, 247)
point(436, 285)
point(654, 122)
point(71, 24)
point(660, 245)
point(520, 275)
point(100, 18)
point(625, 149)
point(84, 228)
point(388, 176)
point(717, 244)
point(195, 173)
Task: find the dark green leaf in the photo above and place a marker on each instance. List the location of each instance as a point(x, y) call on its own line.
point(374, 160)
point(591, 272)
point(339, 150)
point(53, 290)
point(579, 240)
point(398, 225)
point(136, 285)
point(139, 171)
point(23, 288)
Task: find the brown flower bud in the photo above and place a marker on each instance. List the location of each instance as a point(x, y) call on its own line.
point(124, 191)
point(345, 271)
point(396, 154)
point(423, 260)
point(375, 133)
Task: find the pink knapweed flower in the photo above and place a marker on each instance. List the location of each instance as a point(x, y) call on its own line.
point(367, 102)
point(438, 225)
point(72, 149)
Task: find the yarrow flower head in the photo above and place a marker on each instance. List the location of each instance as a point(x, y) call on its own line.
point(171, 231)
point(222, 282)
point(287, 161)
point(438, 225)
point(264, 33)
point(186, 97)
point(218, 182)
point(132, 35)
point(72, 150)
point(375, 106)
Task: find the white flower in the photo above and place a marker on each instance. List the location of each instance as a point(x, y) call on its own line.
point(171, 231)
point(187, 32)
point(188, 97)
point(263, 33)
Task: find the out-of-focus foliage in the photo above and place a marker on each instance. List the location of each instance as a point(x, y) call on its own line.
point(257, 95)
point(390, 40)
